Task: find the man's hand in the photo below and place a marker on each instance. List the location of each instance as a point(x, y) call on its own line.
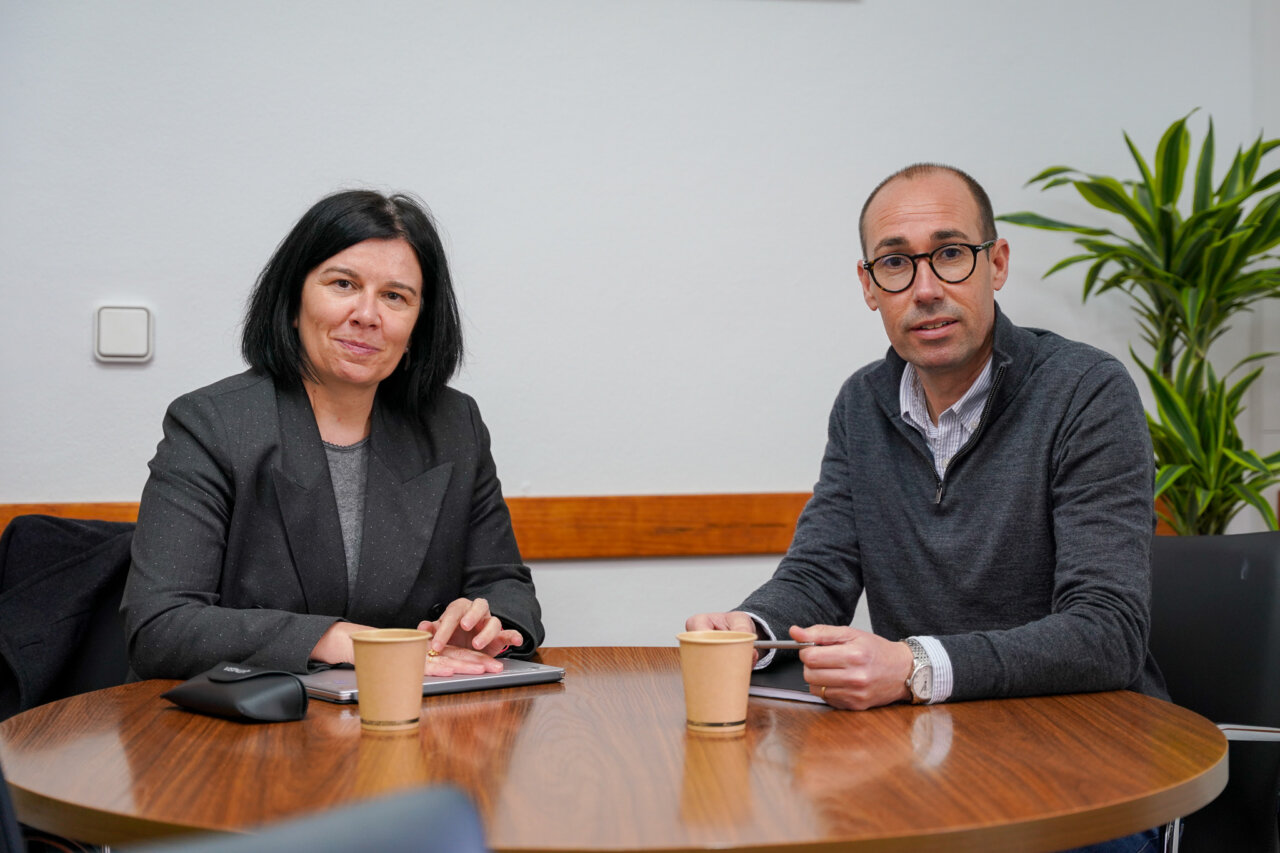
point(859, 670)
point(735, 620)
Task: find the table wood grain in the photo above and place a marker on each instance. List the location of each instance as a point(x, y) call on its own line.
point(603, 762)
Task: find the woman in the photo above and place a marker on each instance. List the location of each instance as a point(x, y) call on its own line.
point(338, 484)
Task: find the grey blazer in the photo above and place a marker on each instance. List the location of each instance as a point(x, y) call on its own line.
point(238, 554)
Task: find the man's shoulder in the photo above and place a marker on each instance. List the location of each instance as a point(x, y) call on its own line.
point(1045, 352)
point(879, 377)
point(869, 389)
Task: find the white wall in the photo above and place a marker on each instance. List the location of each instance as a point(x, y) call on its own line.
point(650, 207)
point(1264, 331)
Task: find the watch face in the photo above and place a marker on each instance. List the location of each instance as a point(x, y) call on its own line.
point(922, 682)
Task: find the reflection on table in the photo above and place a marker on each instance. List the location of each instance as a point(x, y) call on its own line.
point(603, 762)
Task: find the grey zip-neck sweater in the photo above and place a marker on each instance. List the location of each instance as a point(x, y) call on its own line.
point(1029, 561)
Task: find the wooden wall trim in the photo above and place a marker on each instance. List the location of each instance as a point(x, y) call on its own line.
point(101, 511)
point(655, 525)
point(569, 528)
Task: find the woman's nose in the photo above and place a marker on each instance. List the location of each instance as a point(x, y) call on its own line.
point(365, 311)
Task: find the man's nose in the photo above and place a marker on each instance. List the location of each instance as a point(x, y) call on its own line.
point(927, 286)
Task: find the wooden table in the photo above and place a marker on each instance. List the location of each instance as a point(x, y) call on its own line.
point(603, 762)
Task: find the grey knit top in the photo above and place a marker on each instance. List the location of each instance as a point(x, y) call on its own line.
point(1030, 563)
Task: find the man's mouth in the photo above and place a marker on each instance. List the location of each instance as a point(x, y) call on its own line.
point(924, 327)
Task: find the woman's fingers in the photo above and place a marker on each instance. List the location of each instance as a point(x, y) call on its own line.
point(455, 660)
point(450, 621)
point(505, 639)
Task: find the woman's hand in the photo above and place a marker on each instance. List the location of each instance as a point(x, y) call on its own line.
point(455, 660)
point(467, 625)
point(335, 647)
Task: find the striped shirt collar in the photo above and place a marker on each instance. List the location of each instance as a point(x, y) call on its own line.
point(955, 424)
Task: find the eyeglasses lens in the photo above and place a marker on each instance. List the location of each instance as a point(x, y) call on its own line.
point(894, 272)
point(952, 263)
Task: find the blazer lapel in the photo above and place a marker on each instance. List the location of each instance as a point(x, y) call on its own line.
point(308, 507)
point(402, 505)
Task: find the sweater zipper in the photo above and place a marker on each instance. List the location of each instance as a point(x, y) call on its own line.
point(982, 421)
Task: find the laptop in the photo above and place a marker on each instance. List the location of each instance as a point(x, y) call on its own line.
point(339, 684)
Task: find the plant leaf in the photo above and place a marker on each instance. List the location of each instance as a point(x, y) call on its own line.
point(1175, 415)
point(1140, 160)
point(1066, 262)
point(1171, 162)
point(1049, 173)
point(1168, 475)
point(1107, 194)
point(1035, 220)
point(1204, 173)
point(1234, 178)
point(1258, 502)
point(1247, 459)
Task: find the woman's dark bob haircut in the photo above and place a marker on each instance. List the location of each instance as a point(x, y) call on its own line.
point(270, 341)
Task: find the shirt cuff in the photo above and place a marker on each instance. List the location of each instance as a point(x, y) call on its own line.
point(761, 625)
point(940, 662)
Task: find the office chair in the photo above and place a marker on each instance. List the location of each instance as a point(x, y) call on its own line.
point(428, 820)
point(61, 633)
point(1215, 634)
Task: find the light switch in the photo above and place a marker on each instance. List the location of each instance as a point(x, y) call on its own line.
point(123, 334)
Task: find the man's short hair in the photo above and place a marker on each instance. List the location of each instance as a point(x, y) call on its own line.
point(986, 216)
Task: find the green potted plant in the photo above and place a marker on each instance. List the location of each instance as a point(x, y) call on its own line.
point(1188, 275)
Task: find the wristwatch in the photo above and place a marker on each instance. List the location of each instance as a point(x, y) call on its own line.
point(920, 681)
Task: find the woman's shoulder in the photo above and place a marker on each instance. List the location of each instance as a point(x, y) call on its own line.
point(452, 419)
point(248, 381)
point(242, 393)
point(449, 406)
point(450, 399)
point(247, 384)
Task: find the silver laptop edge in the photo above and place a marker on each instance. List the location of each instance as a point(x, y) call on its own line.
point(339, 684)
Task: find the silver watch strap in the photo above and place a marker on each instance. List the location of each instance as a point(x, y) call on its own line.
point(921, 657)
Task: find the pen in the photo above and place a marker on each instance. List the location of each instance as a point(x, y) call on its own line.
point(780, 644)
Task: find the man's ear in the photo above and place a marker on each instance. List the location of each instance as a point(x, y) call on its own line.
point(869, 289)
point(999, 263)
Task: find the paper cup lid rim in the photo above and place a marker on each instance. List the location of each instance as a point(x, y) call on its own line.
point(715, 636)
point(390, 635)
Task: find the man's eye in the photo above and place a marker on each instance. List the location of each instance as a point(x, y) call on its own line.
point(949, 253)
point(895, 263)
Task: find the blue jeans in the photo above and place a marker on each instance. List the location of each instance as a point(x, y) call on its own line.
point(1142, 842)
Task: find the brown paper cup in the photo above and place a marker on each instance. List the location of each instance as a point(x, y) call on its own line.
point(389, 667)
point(716, 668)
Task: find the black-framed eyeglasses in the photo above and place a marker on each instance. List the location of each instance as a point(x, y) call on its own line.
point(952, 263)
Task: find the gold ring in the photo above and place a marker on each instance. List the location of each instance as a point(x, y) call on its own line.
point(432, 653)
point(822, 693)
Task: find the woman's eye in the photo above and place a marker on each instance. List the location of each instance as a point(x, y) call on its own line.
point(344, 284)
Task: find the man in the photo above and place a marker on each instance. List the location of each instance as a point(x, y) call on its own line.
point(988, 486)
